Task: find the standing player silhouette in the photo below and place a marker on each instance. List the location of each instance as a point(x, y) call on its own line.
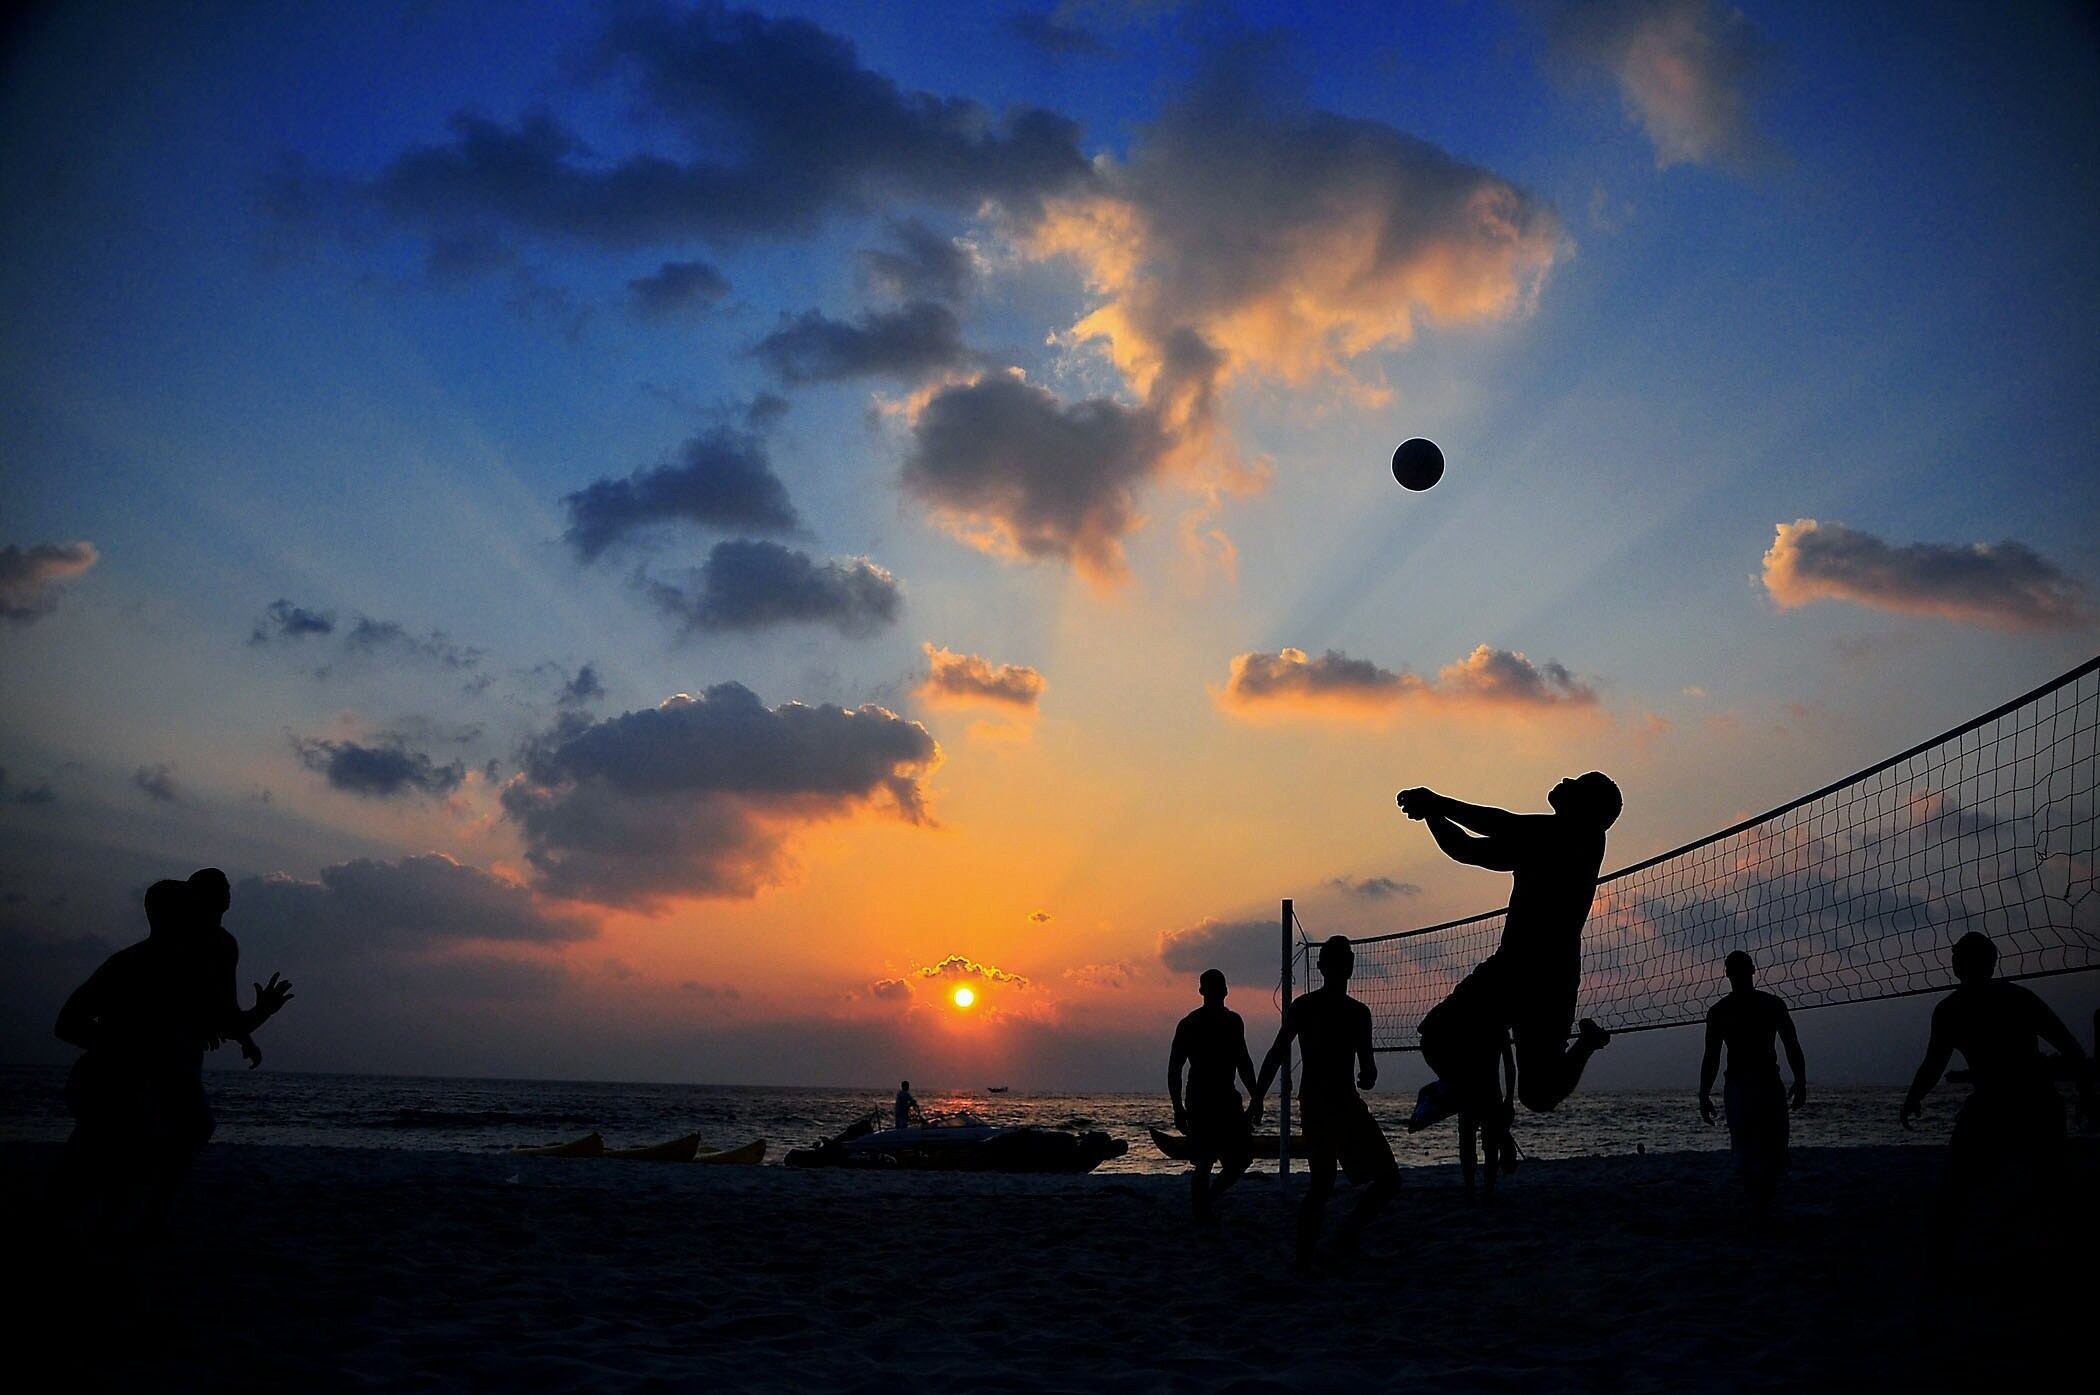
point(1212, 1043)
point(1528, 984)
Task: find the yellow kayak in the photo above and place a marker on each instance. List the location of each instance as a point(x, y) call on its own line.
point(591, 1145)
point(747, 1154)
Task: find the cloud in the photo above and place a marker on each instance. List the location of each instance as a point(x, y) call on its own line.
point(955, 680)
point(889, 989)
point(757, 585)
point(158, 783)
point(814, 135)
point(1105, 976)
point(699, 796)
point(1292, 681)
point(1686, 69)
point(722, 478)
point(373, 637)
point(1008, 467)
point(1246, 236)
point(1291, 240)
point(676, 289)
point(416, 902)
point(582, 690)
point(2007, 584)
point(920, 264)
point(1246, 951)
point(1053, 34)
point(283, 621)
point(1039, 917)
point(379, 771)
point(910, 342)
point(30, 794)
point(1374, 888)
point(961, 967)
point(30, 576)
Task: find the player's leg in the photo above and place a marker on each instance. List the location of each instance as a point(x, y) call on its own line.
point(1548, 1069)
point(1199, 1191)
point(1369, 1160)
point(1320, 1186)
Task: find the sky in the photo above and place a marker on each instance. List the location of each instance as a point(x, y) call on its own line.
point(657, 541)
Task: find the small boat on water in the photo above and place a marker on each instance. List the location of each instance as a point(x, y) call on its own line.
point(677, 1150)
point(998, 1089)
point(1177, 1146)
point(591, 1145)
point(744, 1154)
point(965, 1145)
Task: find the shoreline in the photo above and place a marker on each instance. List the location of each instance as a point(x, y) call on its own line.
point(346, 1268)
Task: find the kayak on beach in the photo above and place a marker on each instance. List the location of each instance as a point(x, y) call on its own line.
point(591, 1145)
point(1178, 1147)
point(967, 1145)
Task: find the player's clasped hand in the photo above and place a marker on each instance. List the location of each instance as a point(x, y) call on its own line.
point(1706, 1108)
point(1415, 802)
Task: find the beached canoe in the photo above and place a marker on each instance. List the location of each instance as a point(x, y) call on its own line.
point(677, 1150)
point(591, 1145)
point(746, 1154)
point(1177, 1146)
point(963, 1147)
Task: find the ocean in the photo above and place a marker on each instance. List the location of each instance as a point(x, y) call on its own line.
point(492, 1116)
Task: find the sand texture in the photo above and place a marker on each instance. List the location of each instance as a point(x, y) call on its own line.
point(323, 1269)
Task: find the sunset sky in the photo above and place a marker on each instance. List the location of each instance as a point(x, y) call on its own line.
point(656, 543)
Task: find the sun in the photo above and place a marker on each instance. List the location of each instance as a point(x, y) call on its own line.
point(964, 995)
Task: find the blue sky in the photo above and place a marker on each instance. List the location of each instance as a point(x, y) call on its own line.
point(1775, 263)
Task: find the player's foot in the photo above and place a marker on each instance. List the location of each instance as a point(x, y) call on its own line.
point(1589, 1034)
point(1436, 1103)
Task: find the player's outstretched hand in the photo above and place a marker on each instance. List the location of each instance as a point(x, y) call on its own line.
point(1706, 1108)
point(272, 996)
point(1416, 802)
point(251, 1053)
point(1798, 1096)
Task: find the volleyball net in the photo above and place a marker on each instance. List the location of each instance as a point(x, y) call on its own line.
point(1851, 893)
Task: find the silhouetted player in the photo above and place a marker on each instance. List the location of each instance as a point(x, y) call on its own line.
point(1212, 1041)
point(1333, 1031)
point(218, 964)
point(1747, 1021)
point(2013, 1111)
point(1528, 984)
point(905, 1104)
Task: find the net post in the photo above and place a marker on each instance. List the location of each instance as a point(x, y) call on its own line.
point(1283, 1149)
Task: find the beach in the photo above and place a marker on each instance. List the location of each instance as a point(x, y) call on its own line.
point(331, 1268)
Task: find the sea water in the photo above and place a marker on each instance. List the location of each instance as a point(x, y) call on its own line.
point(482, 1116)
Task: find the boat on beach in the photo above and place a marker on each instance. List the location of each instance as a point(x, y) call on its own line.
point(1178, 1146)
point(685, 1149)
point(591, 1145)
point(961, 1145)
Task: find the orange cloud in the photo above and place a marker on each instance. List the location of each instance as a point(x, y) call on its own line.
point(2006, 584)
point(1291, 682)
point(1686, 69)
point(964, 680)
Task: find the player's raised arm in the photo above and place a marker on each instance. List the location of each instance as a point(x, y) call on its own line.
point(1461, 846)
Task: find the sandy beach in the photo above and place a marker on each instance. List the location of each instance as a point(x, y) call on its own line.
point(321, 1268)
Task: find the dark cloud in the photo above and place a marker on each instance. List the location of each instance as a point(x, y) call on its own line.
point(962, 679)
point(281, 620)
point(1039, 917)
point(1291, 680)
point(815, 134)
point(533, 297)
point(968, 970)
point(30, 576)
point(2007, 584)
point(1051, 34)
point(1011, 468)
point(722, 478)
point(31, 794)
point(748, 585)
point(920, 264)
point(1120, 974)
point(582, 690)
point(698, 797)
point(380, 771)
point(416, 902)
point(1246, 951)
point(387, 637)
point(1374, 888)
point(910, 342)
point(889, 989)
point(158, 783)
point(675, 289)
point(1687, 70)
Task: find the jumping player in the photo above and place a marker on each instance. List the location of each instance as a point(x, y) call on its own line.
point(1528, 984)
